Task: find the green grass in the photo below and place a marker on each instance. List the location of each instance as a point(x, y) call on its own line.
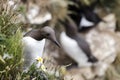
point(10, 44)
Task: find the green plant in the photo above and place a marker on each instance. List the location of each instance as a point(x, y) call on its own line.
point(10, 43)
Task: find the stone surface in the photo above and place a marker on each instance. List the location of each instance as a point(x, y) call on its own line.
point(74, 74)
point(35, 15)
point(109, 23)
point(104, 44)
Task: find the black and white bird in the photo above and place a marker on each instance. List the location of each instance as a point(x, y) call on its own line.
point(34, 42)
point(75, 45)
point(85, 16)
point(89, 18)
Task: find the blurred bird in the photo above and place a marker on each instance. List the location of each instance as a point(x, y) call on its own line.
point(34, 42)
point(75, 46)
point(85, 16)
point(88, 18)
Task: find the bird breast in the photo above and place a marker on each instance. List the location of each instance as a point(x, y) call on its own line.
point(73, 50)
point(32, 50)
point(33, 46)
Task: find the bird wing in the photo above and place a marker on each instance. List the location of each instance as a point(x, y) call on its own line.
point(83, 45)
point(86, 48)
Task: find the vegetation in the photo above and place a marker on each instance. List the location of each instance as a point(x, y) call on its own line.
point(10, 44)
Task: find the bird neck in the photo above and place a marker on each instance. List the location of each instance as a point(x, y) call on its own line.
point(70, 28)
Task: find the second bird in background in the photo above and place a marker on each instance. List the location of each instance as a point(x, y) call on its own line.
point(75, 45)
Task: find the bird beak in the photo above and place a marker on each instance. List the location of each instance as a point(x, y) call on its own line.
point(57, 43)
point(54, 40)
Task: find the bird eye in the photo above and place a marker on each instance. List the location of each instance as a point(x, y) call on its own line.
point(47, 34)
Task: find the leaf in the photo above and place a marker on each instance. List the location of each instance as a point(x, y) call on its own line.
point(2, 60)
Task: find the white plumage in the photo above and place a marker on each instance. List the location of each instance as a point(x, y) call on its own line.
point(32, 50)
point(84, 22)
point(73, 50)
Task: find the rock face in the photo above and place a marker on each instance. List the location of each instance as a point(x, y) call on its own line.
point(104, 42)
point(108, 24)
point(36, 16)
point(103, 45)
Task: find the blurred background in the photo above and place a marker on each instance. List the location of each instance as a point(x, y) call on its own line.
point(97, 21)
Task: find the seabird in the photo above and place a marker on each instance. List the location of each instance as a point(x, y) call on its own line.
point(89, 18)
point(33, 45)
point(84, 15)
point(75, 46)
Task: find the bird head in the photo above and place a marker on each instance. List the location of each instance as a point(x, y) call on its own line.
point(49, 33)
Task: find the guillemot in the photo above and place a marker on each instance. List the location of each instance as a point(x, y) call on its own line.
point(84, 16)
point(89, 18)
point(33, 45)
point(75, 46)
